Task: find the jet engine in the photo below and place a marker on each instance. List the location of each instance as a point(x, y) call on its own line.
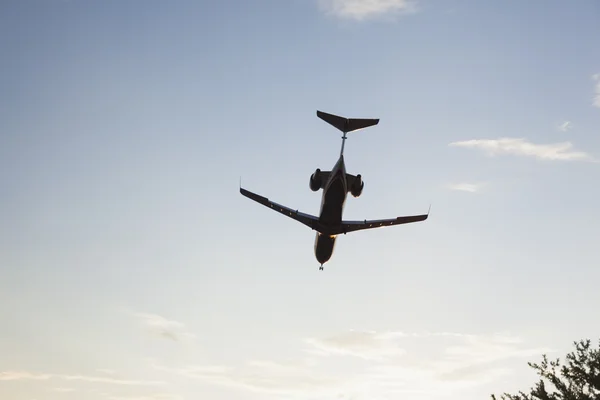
point(316, 180)
point(357, 186)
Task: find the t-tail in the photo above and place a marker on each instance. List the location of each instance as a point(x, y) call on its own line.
point(346, 124)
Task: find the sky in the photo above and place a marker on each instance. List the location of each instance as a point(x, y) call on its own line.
point(131, 268)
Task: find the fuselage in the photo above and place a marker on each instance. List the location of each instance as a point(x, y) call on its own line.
point(332, 207)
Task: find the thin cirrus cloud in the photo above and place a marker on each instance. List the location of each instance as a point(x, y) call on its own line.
point(269, 377)
point(368, 345)
point(562, 151)
point(420, 363)
point(106, 371)
point(63, 389)
point(25, 376)
point(168, 329)
point(364, 9)
point(22, 376)
point(565, 126)
point(158, 396)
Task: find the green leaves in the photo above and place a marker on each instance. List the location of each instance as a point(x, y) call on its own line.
point(577, 379)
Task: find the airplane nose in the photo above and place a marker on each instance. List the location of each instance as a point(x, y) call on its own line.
point(322, 259)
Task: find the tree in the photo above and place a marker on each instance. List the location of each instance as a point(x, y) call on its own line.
point(578, 379)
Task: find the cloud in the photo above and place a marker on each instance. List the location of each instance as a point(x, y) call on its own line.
point(362, 344)
point(596, 99)
point(114, 381)
point(159, 396)
point(521, 147)
point(63, 389)
point(106, 371)
point(419, 363)
point(363, 9)
point(260, 376)
point(467, 358)
point(21, 376)
point(565, 126)
point(442, 363)
point(163, 327)
point(24, 375)
point(391, 380)
point(465, 187)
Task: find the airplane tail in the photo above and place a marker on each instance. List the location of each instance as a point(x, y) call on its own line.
point(347, 124)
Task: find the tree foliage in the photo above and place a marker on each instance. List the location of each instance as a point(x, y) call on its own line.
point(577, 379)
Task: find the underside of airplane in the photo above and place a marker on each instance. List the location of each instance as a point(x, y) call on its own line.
point(336, 184)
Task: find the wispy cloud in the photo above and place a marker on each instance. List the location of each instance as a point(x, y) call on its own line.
point(106, 371)
point(465, 187)
point(565, 126)
point(25, 375)
point(362, 344)
point(21, 376)
point(114, 381)
point(363, 9)
point(522, 147)
point(168, 329)
point(159, 396)
point(596, 99)
point(260, 376)
point(425, 363)
point(63, 389)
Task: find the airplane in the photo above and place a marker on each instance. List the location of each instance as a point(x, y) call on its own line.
point(336, 185)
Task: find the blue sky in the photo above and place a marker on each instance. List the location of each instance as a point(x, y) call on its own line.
point(131, 268)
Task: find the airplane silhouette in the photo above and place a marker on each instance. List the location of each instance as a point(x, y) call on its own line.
point(336, 185)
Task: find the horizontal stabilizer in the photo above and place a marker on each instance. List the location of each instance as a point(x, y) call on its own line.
point(347, 124)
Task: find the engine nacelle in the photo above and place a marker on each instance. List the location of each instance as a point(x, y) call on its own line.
point(357, 186)
point(316, 180)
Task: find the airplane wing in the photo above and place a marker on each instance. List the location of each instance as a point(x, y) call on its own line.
point(351, 226)
point(309, 220)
